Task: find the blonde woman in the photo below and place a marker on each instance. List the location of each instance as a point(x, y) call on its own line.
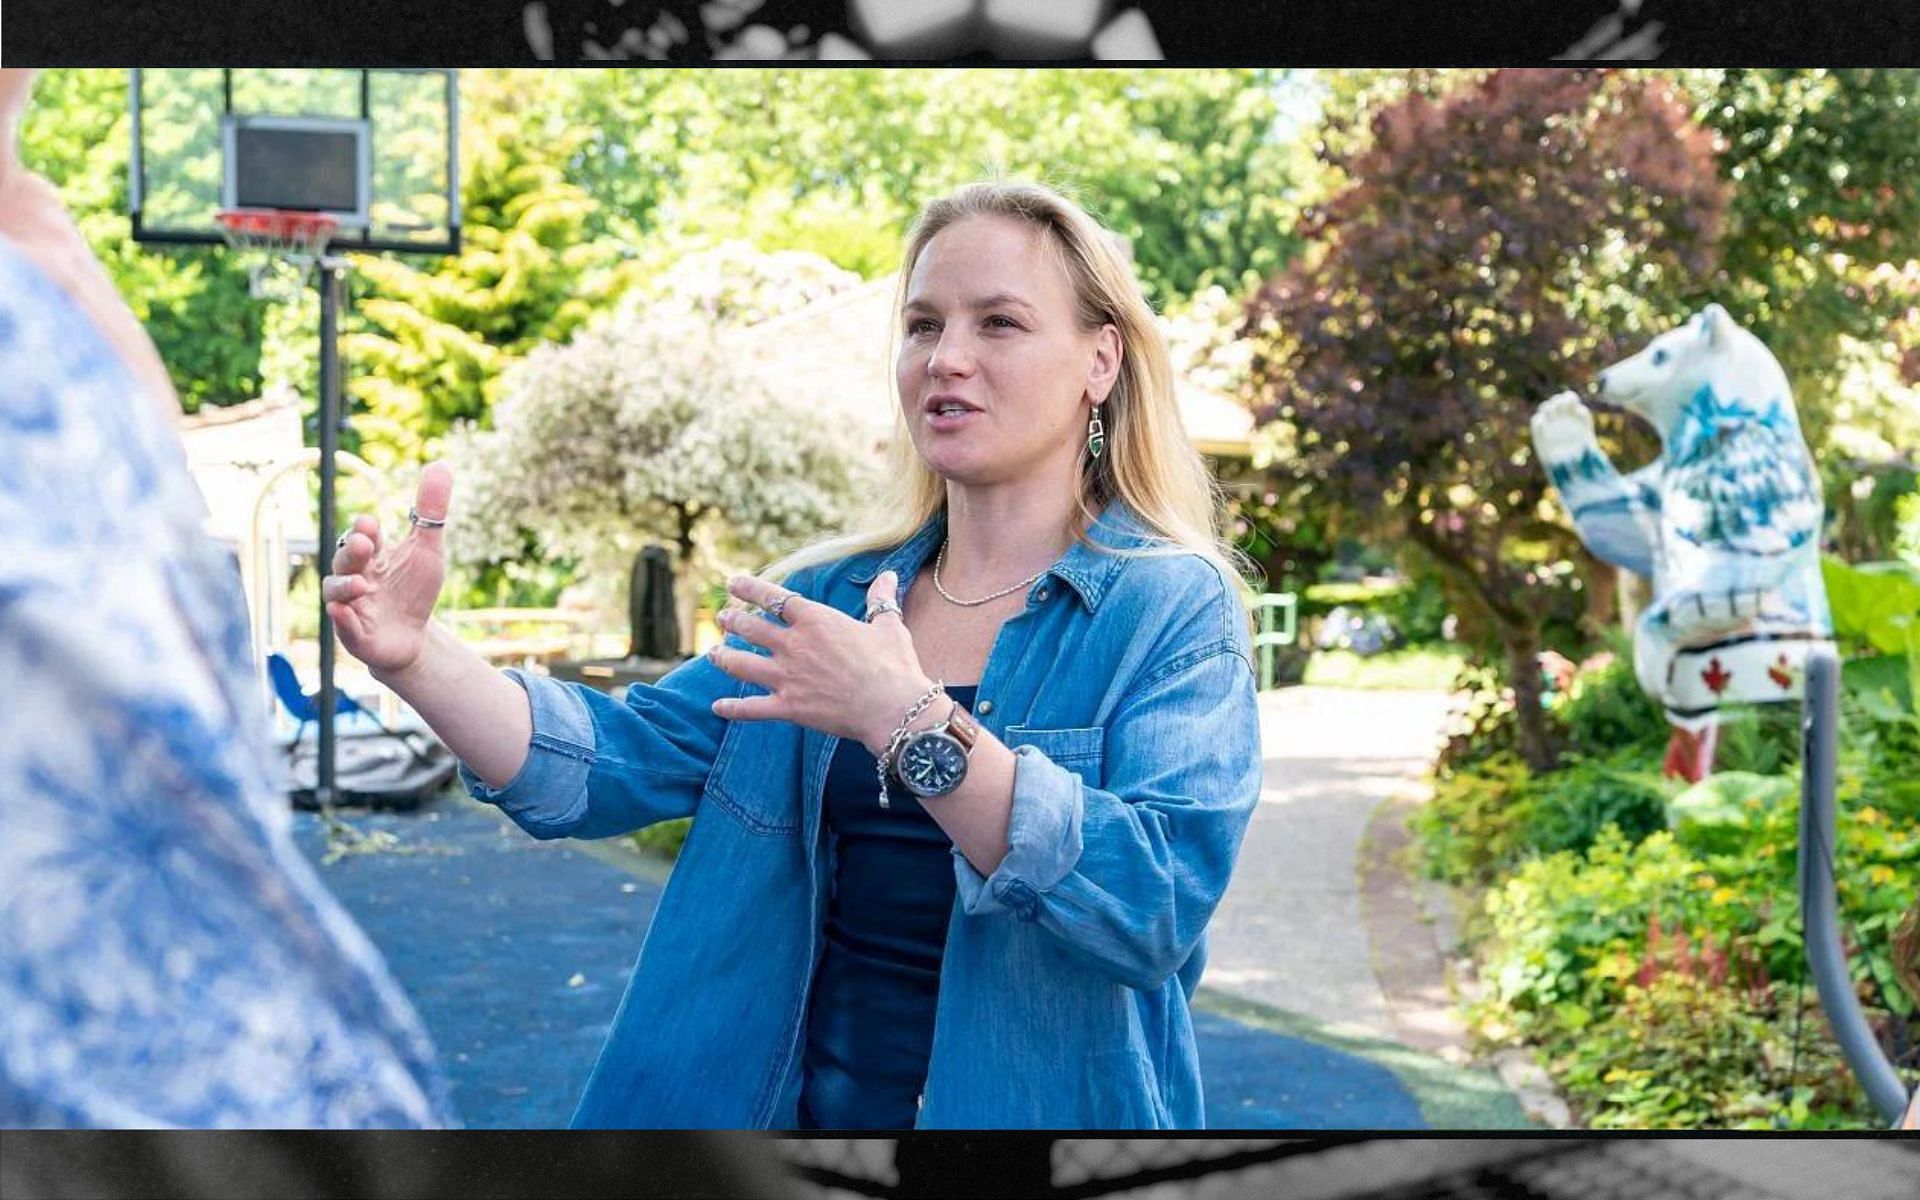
point(1039, 647)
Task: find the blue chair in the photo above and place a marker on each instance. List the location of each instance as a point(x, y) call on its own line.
point(304, 706)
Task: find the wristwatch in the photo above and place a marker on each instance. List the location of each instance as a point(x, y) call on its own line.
point(933, 762)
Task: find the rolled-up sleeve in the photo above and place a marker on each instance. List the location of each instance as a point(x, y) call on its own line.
point(597, 767)
point(1127, 875)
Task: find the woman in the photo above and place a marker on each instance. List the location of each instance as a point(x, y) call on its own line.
point(1009, 934)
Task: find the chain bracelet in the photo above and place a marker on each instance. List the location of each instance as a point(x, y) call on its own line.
point(884, 763)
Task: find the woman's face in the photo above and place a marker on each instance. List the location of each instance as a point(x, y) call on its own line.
point(995, 374)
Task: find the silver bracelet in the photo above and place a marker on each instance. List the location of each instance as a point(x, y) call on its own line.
point(884, 763)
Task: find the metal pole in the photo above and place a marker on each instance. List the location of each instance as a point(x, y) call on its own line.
point(329, 444)
point(1818, 904)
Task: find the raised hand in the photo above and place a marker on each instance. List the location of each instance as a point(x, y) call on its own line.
point(822, 669)
point(381, 596)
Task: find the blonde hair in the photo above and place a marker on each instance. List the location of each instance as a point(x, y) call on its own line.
point(1149, 462)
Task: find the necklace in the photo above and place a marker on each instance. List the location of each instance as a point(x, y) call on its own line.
point(940, 560)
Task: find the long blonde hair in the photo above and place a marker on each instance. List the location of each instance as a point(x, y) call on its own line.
point(1149, 462)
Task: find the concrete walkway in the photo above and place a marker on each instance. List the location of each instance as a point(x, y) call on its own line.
point(1321, 930)
point(1288, 933)
point(516, 951)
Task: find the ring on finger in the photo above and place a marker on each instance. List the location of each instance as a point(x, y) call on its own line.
point(340, 543)
point(875, 611)
point(779, 607)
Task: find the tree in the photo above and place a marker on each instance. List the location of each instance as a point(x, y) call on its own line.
point(192, 300)
point(1822, 165)
point(1821, 258)
point(434, 338)
point(1492, 244)
point(1193, 166)
point(648, 428)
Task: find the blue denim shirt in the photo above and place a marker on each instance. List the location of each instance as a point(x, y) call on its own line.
point(1126, 690)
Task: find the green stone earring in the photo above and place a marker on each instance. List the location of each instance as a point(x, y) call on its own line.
point(1096, 435)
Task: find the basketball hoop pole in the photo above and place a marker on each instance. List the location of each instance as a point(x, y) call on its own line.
point(330, 270)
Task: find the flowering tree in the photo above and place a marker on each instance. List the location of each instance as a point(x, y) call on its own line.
point(1489, 245)
point(648, 429)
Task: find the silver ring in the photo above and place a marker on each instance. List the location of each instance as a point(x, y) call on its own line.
point(414, 518)
point(779, 607)
point(881, 609)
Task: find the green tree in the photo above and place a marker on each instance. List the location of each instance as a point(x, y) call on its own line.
point(436, 336)
point(1488, 245)
point(1822, 166)
point(193, 301)
point(1193, 166)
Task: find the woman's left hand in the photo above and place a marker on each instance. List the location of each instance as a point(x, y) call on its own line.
point(824, 669)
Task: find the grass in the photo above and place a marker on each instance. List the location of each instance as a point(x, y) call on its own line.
point(1408, 667)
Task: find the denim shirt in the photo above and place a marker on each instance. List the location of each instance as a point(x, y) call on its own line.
point(1126, 691)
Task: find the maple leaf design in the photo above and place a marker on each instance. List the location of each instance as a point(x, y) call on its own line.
point(1780, 672)
point(1716, 677)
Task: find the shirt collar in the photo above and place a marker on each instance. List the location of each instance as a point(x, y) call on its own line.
point(1088, 569)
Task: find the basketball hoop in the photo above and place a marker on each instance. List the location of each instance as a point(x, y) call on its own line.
point(270, 237)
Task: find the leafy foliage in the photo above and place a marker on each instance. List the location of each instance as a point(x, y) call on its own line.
point(647, 428)
point(1492, 241)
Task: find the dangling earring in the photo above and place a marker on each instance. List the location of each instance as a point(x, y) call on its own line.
point(1096, 434)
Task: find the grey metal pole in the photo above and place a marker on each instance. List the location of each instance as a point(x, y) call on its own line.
point(323, 559)
point(1826, 958)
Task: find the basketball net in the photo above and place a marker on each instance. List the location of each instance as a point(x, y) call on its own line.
point(280, 247)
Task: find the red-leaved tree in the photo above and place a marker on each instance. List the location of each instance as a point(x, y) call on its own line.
point(1494, 243)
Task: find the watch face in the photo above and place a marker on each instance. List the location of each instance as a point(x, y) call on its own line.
point(932, 764)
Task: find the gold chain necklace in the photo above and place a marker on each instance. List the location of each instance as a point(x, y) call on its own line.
point(940, 560)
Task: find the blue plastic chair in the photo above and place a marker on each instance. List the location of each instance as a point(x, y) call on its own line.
point(304, 706)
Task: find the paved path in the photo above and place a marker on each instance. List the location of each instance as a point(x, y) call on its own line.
point(516, 953)
point(1289, 931)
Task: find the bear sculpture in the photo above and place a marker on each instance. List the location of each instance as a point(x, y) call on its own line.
point(1725, 523)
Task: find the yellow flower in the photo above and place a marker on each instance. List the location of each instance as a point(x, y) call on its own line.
point(1722, 895)
point(1881, 874)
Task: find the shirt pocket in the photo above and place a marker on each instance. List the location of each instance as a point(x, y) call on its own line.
point(754, 778)
point(1082, 751)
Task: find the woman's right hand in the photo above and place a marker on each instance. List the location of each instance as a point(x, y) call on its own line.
point(381, 597)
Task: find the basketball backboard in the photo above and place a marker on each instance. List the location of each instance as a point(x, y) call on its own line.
point(377, 149)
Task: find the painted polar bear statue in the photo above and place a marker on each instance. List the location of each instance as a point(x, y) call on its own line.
point(1725, 523)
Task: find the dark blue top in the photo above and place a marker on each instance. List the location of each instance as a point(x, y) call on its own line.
point(870, 1017)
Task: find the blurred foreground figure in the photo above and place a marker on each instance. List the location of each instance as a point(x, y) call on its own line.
point(167, 957)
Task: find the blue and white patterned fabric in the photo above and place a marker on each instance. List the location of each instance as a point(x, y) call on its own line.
point(167, 957)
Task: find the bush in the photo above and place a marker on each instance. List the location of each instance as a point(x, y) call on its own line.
point(1607, 712)
point(1571, 806)
point(1485, 723)
point(1469, 832)
point(664, 838)
point(1577, 950)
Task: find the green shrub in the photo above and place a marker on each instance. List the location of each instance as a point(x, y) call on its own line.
point(1487, 723)
point(664, 838)
point(1469, 832)
point(1687, 1052)
point(1571, 806)
point(1608, 712)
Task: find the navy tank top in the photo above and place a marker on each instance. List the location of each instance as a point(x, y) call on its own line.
point(870, 1016)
